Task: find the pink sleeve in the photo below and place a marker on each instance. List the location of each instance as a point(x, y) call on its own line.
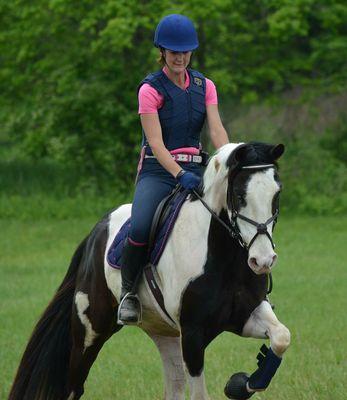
point(211, 93)
point(149, 100)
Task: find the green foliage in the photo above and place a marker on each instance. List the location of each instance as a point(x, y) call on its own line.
point(314, 166)
point(69, 70)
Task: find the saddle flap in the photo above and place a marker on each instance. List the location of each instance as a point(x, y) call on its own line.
point(161, 214)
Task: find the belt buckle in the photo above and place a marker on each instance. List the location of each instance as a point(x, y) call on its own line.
point(181, 157)
point(197, 159)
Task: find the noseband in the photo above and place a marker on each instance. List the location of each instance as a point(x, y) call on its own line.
point(233, 229)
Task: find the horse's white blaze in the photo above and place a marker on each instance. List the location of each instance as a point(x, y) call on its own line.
point(171, 355)
point(82, 303)
point(197, 386)
point(112, 275)
point(263, 323)
point(261, 189)
point(72, 396)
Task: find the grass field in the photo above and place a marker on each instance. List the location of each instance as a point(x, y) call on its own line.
point(310, 294)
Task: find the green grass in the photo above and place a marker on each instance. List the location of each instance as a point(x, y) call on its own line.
point(309, 293)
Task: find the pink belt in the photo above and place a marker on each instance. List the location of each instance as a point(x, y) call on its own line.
point(182, 157)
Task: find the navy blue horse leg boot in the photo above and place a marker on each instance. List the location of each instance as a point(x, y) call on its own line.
point(242, 386)
point(134, 259)
point(268, 363)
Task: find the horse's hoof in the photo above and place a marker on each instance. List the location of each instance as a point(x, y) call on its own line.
point(236, 387)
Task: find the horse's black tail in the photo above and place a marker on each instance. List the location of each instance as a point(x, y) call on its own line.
point(43, 370)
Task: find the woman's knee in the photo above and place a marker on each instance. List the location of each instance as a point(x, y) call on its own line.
point(139, 232)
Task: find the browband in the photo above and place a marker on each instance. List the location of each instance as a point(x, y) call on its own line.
point(258, 166)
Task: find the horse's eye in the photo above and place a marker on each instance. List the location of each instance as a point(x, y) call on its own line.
point(241, 200)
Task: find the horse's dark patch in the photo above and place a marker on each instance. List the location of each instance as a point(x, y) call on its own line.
point(225, 295)
point(221, 299)
point(254, 153)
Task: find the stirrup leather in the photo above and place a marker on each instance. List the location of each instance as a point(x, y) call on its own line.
point(136, 300)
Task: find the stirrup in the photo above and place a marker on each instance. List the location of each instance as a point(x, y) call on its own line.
point(135, 298)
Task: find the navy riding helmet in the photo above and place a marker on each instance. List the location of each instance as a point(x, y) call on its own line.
point(176, 32)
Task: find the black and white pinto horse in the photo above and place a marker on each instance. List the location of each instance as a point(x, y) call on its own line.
point(213, 275)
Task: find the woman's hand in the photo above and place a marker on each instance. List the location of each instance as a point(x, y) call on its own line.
point(188, 179)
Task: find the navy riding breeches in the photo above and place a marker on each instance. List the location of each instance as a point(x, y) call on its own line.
point(153, 184)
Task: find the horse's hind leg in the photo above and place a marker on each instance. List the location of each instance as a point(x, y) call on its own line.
point(92, 324)
point(171, 355)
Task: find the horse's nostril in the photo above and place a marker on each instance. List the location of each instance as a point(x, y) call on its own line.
point(274, 259)
point(253, 261)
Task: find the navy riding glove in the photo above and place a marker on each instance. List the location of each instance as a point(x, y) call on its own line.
point(188, 180)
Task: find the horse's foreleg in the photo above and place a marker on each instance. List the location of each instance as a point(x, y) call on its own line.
point(193, 348)
point(263, 323)
point(171, 355)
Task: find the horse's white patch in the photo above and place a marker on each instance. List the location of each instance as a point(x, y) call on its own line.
point(82, 303)
point(171, 355)
point(216, 179)
point(263, 323)
point(197, 386)
point(185, 254)
point(260, 191)
point(112, 275)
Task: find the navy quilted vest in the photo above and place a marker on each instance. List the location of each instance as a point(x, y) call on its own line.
point(184, 111)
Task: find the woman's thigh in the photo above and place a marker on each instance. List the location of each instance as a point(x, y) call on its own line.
point(150, 190)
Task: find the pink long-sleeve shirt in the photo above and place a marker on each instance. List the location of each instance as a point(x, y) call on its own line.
point(150, 101)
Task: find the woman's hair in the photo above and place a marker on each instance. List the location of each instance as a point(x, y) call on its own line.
point(161, 58)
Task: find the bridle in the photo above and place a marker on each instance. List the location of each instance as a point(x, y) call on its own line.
point(233, 228)
point(261, 227)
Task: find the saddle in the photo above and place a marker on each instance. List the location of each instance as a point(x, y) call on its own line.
point(162, 225)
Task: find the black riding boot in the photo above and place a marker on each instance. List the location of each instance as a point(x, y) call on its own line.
point(134, 259)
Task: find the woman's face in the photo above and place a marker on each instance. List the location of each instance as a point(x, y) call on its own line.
point(177, 61)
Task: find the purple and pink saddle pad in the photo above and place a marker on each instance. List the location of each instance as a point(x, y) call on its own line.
point(163, 227)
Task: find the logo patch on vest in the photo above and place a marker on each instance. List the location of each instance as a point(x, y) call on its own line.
point(198, 81)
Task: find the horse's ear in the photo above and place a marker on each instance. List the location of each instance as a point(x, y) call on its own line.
point(277, 151)
point(237, 156)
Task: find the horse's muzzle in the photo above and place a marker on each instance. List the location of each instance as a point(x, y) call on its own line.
point(262, 265)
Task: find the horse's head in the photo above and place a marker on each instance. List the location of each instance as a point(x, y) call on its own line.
point(246, 184)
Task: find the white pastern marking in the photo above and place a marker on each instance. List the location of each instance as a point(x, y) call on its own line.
point(82, 303)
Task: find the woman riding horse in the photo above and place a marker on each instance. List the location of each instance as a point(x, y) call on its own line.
point(173, 105)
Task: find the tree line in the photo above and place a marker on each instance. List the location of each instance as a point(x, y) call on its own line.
point(69, 71)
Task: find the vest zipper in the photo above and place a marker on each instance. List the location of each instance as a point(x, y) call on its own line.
point(190, 116)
